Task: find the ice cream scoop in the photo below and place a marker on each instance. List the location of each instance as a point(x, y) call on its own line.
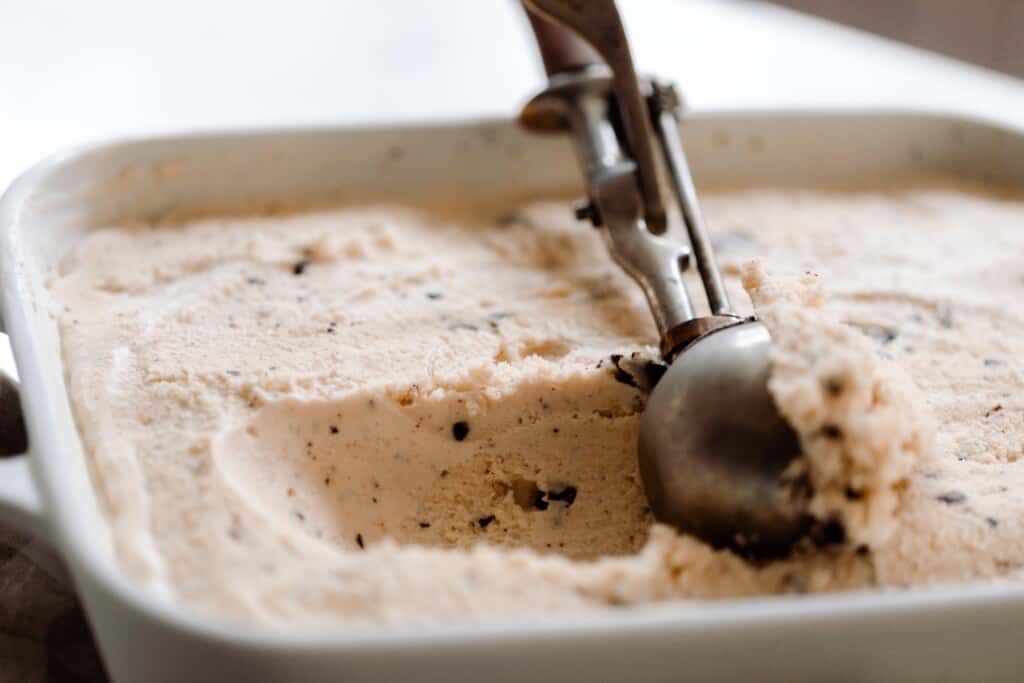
point(716, 457)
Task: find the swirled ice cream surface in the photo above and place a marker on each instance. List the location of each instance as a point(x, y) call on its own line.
point(398, 413)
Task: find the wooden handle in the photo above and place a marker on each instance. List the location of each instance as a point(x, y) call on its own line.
point(560, 48)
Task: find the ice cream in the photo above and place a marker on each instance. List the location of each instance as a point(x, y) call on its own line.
point(394, 413)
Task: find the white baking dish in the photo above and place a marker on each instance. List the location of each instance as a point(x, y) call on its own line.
point(956, 632)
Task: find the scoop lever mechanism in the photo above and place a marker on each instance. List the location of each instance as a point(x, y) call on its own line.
point(616, 119)
point(716, 458)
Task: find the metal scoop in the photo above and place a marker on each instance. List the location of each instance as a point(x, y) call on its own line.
point(716, 458)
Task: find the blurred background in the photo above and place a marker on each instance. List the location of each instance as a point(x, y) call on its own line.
point(988, 33)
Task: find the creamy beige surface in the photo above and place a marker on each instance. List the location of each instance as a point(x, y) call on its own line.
point(396, 414)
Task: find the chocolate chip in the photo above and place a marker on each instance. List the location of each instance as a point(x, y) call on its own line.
point(334, 430)
point(444, 473)
point(424, 525)
point(621, 375)
point(862, 551)
point(625, 378)
point(853, 494)
point(831, 532)
point(359, 541)
point(566, 495)
point(831, 431)
point(484, 521)
point(460, 430)
point(300, 267)
point(833, 386)
point(951, 497)
point(538, 501)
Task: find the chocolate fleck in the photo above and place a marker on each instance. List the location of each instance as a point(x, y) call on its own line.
point(424, 525)
point(951, 497)
point(989, 362)
point(831, 532)
point(434, 295)
point(460, 430)
point(485, 521)
point(300, 267)
point(831, 431)
point(334, 430)
point(359, 541)
point(255, 281)
point(566, 495)
point(884, 335)
point(621, 375)
point(853, 494)
point(233, 373)
point(833, 386)
point(625, 378)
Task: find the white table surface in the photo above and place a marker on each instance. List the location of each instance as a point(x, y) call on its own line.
point(72, 72)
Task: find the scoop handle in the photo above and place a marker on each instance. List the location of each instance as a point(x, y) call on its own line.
point(560, 48)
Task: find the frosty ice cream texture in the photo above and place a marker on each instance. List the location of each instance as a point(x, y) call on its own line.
point(389, 413)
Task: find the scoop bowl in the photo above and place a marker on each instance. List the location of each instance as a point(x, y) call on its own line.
point(716, 457)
